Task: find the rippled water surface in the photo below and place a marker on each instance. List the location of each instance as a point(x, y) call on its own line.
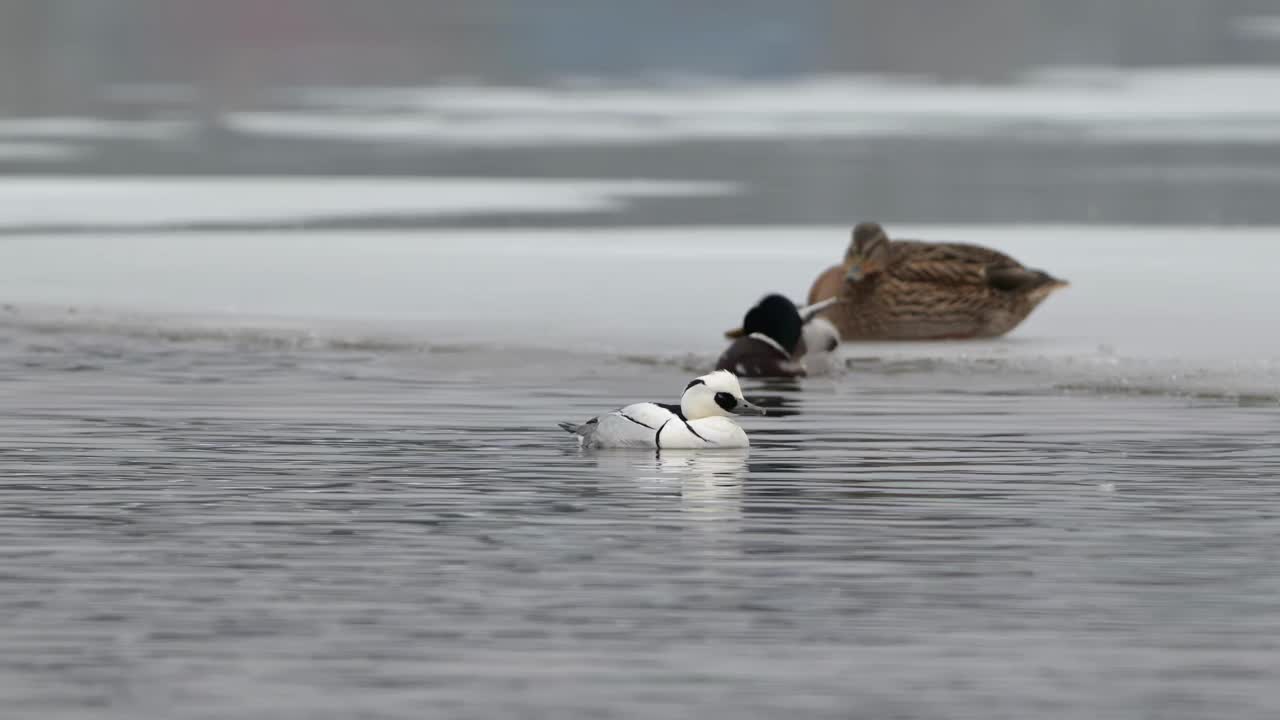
point(217, 527)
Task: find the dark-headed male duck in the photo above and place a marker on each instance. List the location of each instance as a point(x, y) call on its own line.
point(777, 339)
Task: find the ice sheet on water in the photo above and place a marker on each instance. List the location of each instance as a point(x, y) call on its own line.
point(1184, 104)
point(85, 201)
point(1188, 104)
point(1150, 310)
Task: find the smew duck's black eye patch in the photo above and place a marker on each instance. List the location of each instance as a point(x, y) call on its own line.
point(726, 401)
point(692, 383)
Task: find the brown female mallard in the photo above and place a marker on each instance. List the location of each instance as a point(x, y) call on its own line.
point(912, 290)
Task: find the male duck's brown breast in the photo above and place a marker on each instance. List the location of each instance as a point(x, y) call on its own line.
point(749, 357)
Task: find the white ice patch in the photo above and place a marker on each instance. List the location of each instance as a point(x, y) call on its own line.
point(149, 202)
point(1207, 104)
point(1164, 310)
point(85, 128)
point(1185, 104)
point(39, 152)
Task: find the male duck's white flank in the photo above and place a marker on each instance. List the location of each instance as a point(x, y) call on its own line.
point(701, 420)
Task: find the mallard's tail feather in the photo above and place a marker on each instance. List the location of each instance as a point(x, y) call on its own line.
point(1022, 279)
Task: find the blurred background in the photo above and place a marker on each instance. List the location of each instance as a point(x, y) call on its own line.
point(294, 292)
point(824, 111)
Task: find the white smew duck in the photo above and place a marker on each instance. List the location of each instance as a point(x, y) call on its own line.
point(701, 420)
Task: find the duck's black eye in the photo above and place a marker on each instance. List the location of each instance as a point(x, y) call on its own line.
point(726, 401)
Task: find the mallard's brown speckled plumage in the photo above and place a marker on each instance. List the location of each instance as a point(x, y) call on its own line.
point(912, 290)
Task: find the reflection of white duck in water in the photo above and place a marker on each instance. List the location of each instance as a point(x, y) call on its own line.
point(709, 484)
point(701, 420)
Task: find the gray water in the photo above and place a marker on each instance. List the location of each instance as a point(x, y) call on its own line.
point(199, 527)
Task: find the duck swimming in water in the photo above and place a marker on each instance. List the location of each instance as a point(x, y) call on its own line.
point(913, 290)
point(777, 339)
point(701, 420)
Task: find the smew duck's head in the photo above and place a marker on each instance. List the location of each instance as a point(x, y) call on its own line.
point(715, 394)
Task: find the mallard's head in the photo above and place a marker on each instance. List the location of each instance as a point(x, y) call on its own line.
point(868, 252)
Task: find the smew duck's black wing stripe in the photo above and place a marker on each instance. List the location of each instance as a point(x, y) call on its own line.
point(657, 437)
point(645, 425)
point(695, 432)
